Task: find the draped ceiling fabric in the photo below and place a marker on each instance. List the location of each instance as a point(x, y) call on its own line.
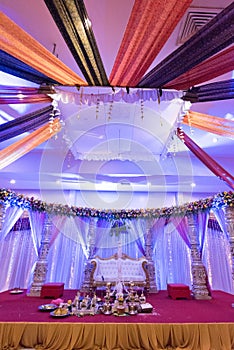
point(215, 36)
point(25, 145)
point(16, 42)
point(13, 66)
point(215, 125)
point(222, 90)
point(210, 163)
point(73, 23)
point(12, 95)
point(143, 41)
point(211, 68)
point(25, 123)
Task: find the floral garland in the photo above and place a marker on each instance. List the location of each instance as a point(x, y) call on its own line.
point(8, 197)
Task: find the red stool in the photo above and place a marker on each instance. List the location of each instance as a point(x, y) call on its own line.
point(52, 290)
point(178, 290)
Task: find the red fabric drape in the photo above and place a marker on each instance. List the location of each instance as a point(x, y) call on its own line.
point(206, 159)
point(211, 68)
point(149, 27)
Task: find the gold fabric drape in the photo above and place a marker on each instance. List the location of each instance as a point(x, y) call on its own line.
point(28, 143)
point(149, 27)
point(16, 42)
point(73, 22)
point(118, 336)
point(215, 125)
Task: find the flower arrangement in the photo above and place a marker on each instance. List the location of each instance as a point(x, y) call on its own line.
point(8, 197)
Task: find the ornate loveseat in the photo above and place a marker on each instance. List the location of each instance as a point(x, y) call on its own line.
point(114, 269)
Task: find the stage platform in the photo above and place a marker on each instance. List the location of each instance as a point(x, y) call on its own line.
point(173, 324)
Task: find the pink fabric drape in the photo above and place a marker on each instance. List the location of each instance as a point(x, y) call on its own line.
point(19, 44)
point(211, 68)
point(206, 159)
point(21, 147)
point(149, 27)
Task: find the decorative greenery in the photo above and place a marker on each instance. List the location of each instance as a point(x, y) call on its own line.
point(10, 198)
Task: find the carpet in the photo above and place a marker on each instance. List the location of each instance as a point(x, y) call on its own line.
point(23, 308)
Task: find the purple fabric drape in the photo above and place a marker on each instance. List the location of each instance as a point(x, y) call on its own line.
point(202, 225)
point(213, 37)
point(206, 159)
point(181, 224)
point(25, 123)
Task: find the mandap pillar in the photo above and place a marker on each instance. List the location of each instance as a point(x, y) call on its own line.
point(39, 275)
point(149, 257)
point(229, 220)
point(199, 286)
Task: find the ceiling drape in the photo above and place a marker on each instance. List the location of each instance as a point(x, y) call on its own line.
point(209, 162)
point(16, 42)
point(150, 24)
point(208, 123)
point(18, 95)
point(25, 123)
point(17, 68)
point(215, 36)
point(211, 68)
point(222, 90)
point(29, 142)
point(73, 22)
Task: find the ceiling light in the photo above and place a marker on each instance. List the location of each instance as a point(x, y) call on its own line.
point(193, 184)
point(215, 139)
point(12, 181)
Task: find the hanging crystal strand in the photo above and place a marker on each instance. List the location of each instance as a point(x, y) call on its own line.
point(149, 257)
point(2, 215)
point(97, 107)
point(229, 220)
point(87, 284)
point(142, 109)
point(109, 114)
point(199, 274)
point(190, 123)
point(39, 275)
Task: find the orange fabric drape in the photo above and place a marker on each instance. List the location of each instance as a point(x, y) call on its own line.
point(211, 68)
point(149, 27)
point(215, 125)
point(21, 147)
point(17, 43)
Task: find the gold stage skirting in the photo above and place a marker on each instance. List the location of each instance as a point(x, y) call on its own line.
point(116, 336)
